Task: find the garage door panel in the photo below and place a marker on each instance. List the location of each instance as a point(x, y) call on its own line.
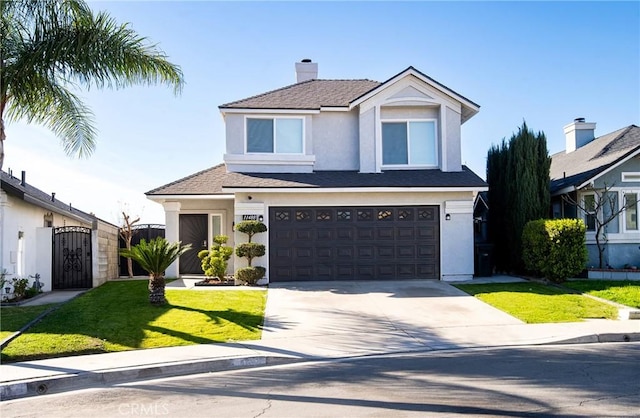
point(385, 251)
point(406, 233)
point(427, 232)
point(406, 251)
point(365, 243)
point(302, 252)
point(385, 233)
point(345, 252)
point(325, 234)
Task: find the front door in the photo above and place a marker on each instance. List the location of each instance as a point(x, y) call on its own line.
point(194, 231)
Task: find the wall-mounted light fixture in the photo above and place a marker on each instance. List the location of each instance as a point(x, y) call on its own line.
point(260, 218)
point(20, 234)
point(447, 217)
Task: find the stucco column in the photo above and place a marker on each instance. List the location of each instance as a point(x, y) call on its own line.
point(172, 230)
point(457, 240)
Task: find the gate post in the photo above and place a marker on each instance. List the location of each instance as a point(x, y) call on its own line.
point(44, 257)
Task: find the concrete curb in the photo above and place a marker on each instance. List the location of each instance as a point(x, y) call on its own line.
point(83, 380)
point(88, 379)
point(601, 338)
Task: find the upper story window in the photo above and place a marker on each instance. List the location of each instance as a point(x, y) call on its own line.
point(409, 143)
point(275, 135)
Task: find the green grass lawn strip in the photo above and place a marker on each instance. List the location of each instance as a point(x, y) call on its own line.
point(12, 318)
point(117, 317)
point(625, 292)
point(536, 303)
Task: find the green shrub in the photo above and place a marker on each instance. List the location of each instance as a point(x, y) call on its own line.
point(250, 250)
point(216, 260)
point(250, 275)
point(20, 287)
point(251, 228)
point(555, 248)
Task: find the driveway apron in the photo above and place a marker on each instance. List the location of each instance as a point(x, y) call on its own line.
point(369, 317)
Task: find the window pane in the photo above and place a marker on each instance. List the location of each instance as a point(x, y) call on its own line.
point(216, 225)
point(589, 205)
point(609, 207)
point(259, 135)
point(289, 136)
point(394, 143)
point(422, 143)
point(631, 211)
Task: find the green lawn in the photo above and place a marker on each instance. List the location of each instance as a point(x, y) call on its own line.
point(117, 317)
point(536, 303)
point(626, 292)
point(12, 318)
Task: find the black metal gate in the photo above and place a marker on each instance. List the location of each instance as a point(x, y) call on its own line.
point(72, 258)
point(146, 232)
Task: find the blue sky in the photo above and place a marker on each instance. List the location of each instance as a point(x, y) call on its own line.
point(543, 62)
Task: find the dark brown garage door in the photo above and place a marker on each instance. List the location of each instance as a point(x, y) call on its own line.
point(354, 243)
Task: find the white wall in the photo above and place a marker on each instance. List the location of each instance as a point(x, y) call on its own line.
point(335, 141)
point(22, 218)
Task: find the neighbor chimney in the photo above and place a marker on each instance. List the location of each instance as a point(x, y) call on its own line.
point(23, 180)
point(306, 70)
point(578, 134)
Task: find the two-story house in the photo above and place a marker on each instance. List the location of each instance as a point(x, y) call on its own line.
point(355, 180)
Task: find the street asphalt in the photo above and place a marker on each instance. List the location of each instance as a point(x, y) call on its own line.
point(320, 320)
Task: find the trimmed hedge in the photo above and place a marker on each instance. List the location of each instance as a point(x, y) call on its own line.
point(555, 248)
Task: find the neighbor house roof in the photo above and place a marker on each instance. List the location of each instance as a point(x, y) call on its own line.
point(574, 169)
point(216, 179)
point(24, 191)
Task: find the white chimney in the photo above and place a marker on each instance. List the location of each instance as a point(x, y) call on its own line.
point(306, 70)
point(578, 134)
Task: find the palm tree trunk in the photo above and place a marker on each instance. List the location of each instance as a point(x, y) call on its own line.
point(3, 136)
point(156, 290)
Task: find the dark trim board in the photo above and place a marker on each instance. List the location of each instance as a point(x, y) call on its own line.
point(354, 243)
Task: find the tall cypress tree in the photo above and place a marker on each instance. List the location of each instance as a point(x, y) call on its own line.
point(518, 177)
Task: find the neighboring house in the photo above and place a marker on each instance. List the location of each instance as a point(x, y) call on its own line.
point(582, 172)
point(355, 179)
point(39, 234)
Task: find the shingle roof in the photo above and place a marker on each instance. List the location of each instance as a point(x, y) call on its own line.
point(214, 179)
point(14, 187)
point(577, 167)
point(311, 94)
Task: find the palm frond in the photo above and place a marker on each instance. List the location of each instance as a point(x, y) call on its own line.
point(155, 256)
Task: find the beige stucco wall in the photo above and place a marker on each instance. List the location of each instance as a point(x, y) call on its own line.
point(105, 252)
point(335, 141)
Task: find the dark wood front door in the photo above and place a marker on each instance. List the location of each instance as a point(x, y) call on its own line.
point(194, 231)
point(354, 243)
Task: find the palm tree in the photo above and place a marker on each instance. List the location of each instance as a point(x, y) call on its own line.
point(155, 257)
point(50, 47)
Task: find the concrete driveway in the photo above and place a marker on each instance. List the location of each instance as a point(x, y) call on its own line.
point(368, 317)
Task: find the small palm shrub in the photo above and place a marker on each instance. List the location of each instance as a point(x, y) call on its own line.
point(250, 250)
point(216, 260)
point(155, 257)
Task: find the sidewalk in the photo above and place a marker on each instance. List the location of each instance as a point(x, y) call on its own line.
point(315, 322)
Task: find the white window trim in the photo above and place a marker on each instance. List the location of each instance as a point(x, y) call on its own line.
point(410, 166)
point(630, 176)
point(623, 214)
point(274, 118)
